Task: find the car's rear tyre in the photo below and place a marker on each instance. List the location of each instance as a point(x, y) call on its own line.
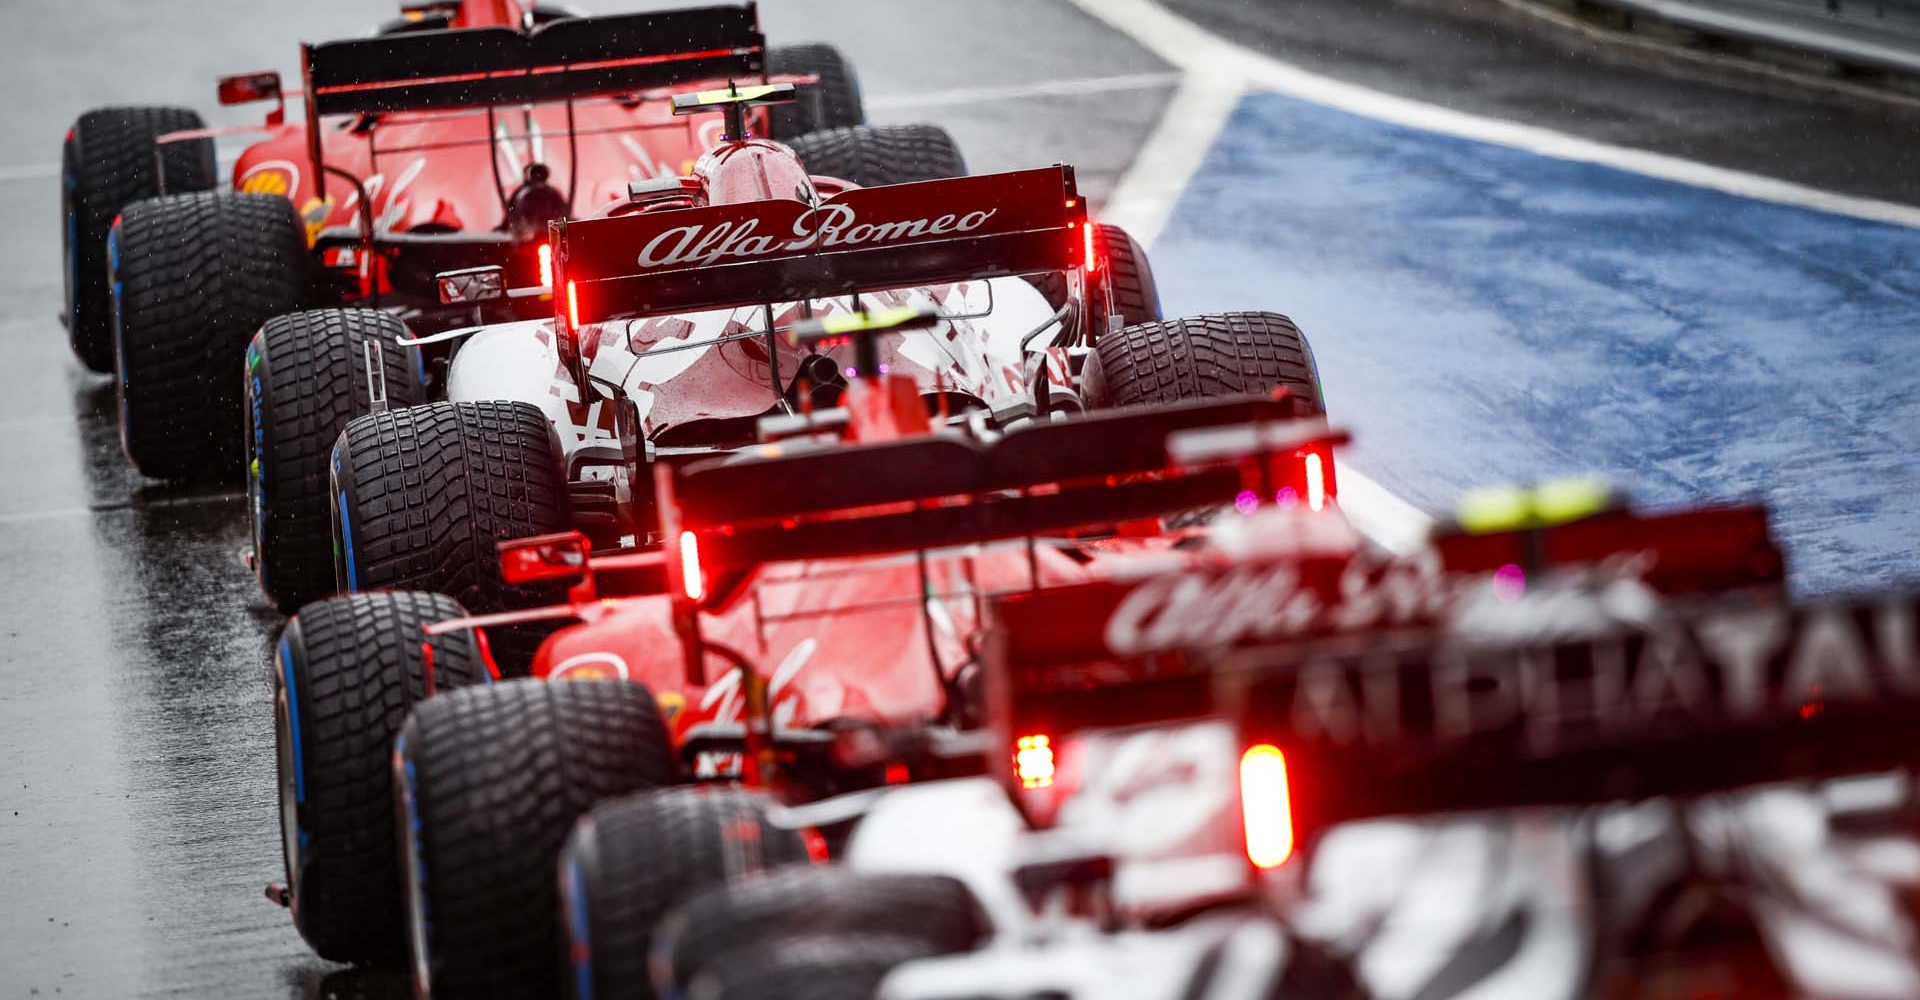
point(630, 860)
point(107, 163)
point(711, 928)
point(1201, 357)
point(347, 671)
point(491, 782)
point(833, 102)
point(194, 276)
point(421, 497)
point(808, 968)
point(873, 155)
point(306, 377)
point(1124, 266)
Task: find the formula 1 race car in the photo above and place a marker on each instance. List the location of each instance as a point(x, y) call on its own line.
point(665, 347)
point(1192, 765)
point(449, 140)
point(818, 596)
point(326, 518)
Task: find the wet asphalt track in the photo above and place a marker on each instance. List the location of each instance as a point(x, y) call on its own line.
point(136, 806)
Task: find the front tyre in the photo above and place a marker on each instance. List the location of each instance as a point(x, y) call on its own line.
point(873, 155)
point(1202, 357)
point(630, 859)
point(109, 161)
point(422, 497)
point(491, 782)
point(832, 102)
point(306, 377)
point(712, 929)
point(346, 672)
point(195, 276)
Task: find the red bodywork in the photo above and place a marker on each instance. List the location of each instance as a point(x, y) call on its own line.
point(438, 160)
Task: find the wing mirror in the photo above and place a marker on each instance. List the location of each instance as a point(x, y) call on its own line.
point(472, 285)
point(247, 88)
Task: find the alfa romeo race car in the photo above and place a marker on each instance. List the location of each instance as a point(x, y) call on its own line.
point(1191, 770)
point(666, 346)
point(810, 625)
point(685, 371)
point(449, 140)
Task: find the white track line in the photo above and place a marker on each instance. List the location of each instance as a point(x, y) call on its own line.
point(1144, 197)
point(1218, 72)
point(29, 172)
point(1196, 51)
point(1018, 91)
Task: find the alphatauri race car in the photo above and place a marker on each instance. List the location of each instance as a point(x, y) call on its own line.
point(451, 139)
point(664, 345)
point(450, 427)
point(1568, 751)
point(810, 626)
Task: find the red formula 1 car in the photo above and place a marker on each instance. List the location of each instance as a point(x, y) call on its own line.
point(665, 348)
point(450, 140)
point(814, 593)
point(335, 513)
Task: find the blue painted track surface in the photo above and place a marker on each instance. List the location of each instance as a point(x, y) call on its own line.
point(1483, 314)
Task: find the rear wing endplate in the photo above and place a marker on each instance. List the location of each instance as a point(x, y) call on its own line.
point(567, 59)
point(785, 250)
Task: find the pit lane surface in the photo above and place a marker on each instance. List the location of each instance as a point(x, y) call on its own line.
point(137, 823)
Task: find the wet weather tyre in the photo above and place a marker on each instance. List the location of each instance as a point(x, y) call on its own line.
point(936, 911)
point(872, 155)
point(1124, 266)
point(107, 163)
point(1201, 357)
point(1125, 269)
point(832, 102)
point(347, 671)
point(630, 860)
point(422, 496)
point(492, 782)
point(306, 378)
point(196, 275)
point(808, 968)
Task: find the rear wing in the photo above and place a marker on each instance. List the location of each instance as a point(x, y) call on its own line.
point(1113, 633)
point(783, 250)
point(1716, 699)
point(567, 59)
point(940, 491)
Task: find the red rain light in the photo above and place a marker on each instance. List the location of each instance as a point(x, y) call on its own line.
point(1266, 806)
point(546, 265)
point(691, 580)
point(1093, 259)
point(1316, 473)
point(573, 308)
point(1033, 761)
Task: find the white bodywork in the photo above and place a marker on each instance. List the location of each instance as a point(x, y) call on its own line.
point(696, 376)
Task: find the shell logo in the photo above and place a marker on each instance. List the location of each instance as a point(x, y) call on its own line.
point(596, 666)
point(314, 213)
point(277, 177)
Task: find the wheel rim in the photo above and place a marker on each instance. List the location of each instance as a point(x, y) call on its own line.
point(415, 873)
point(70, 242)
point(255, 457)
point(287, 767)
